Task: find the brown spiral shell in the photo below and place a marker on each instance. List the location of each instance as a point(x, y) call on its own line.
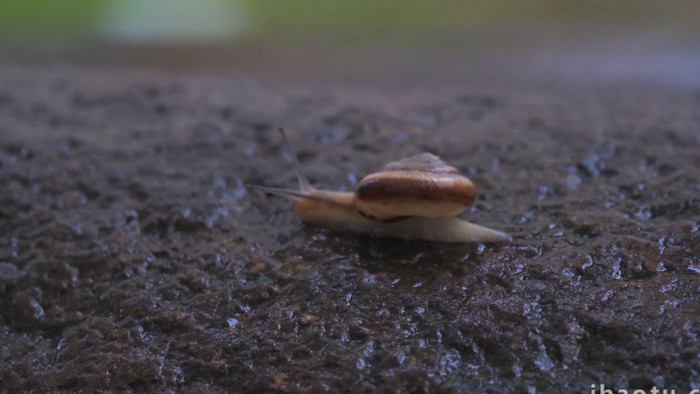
point(421, 185)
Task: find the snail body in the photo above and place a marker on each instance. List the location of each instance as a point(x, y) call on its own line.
point(415, 198)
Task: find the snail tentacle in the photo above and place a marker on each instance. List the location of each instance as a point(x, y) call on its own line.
point(293, 194)
point(311, 195)
point(306, 191)
point(304, 184)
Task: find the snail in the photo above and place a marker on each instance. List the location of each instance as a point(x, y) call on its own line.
point(415, 198)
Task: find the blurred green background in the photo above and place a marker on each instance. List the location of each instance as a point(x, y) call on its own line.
point(205, 21)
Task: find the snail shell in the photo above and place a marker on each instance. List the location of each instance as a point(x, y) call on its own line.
point(415, 198)
point(421, 185)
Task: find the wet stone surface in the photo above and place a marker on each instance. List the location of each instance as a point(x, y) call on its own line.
point(132, 257)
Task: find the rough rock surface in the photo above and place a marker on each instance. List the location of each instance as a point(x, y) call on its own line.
point(132, 257)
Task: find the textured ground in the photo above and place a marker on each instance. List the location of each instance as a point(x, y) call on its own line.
point(132, 257)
